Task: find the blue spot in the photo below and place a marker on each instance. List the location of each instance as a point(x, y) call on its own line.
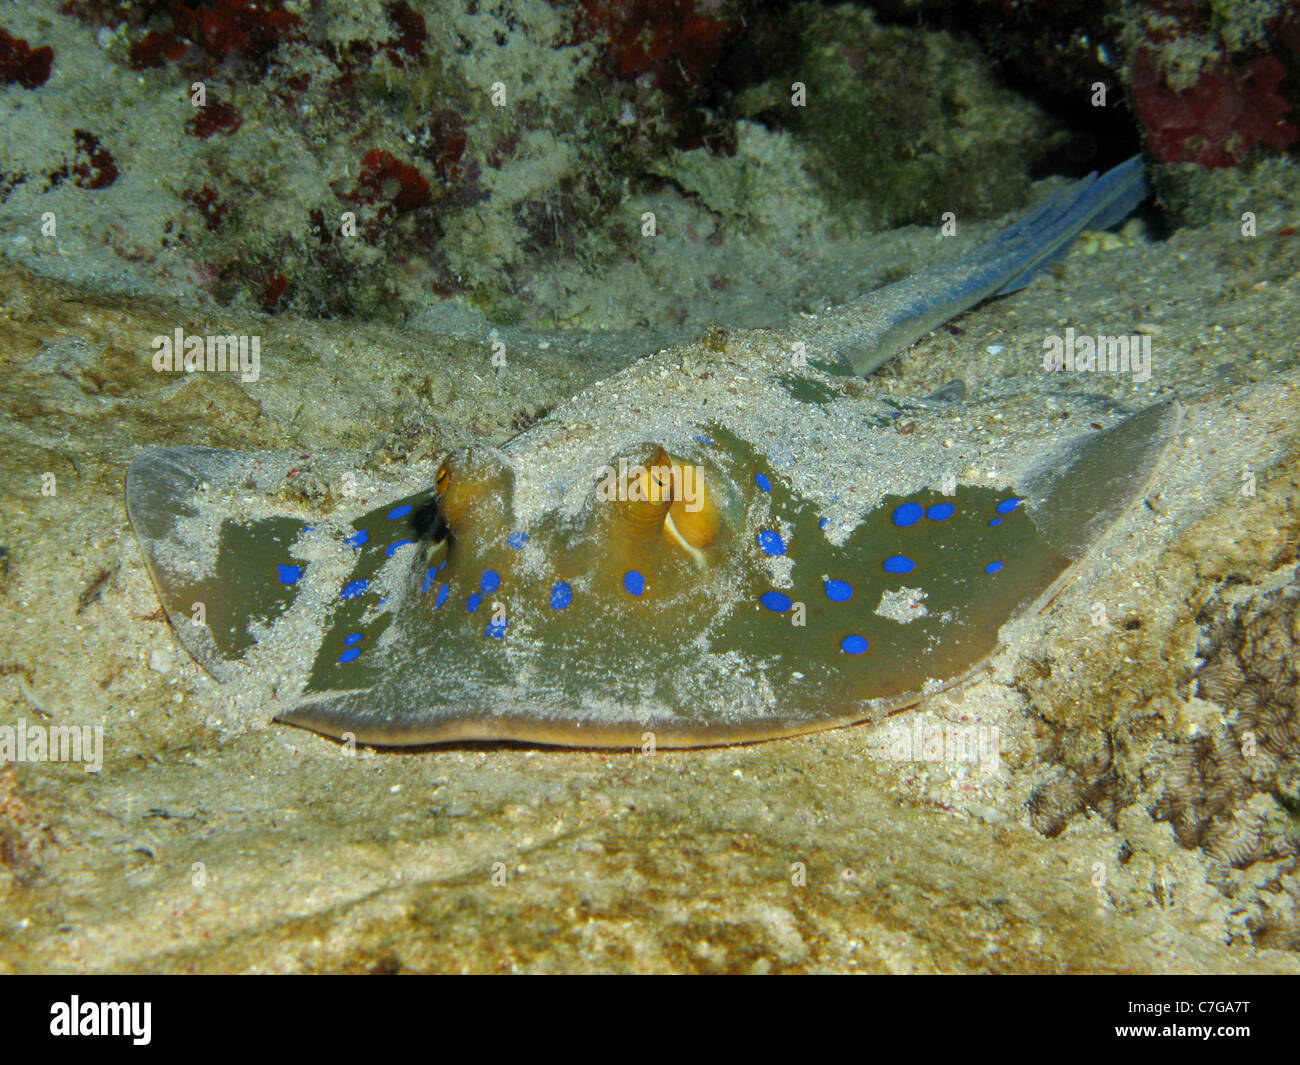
point(854, 645)
point(354, 589)
point(352, 639)
point(634, 582)
point(428, 579)
point(771, 542)
point(473, 602)
point(703, 439)
point(899, 564)
point(442, 565)
point(838, 591)
point(392, 548)
point(441, 597)
point(496, 629)
point(348, 655)
point(400, 512)
point(993, 567)
point(996, 521)
point(941, 512)
point(907, 514)
point(516, 540)
point(489, 582)
point(761, 480)
point(823, 523)
point(289, 574)
point(1008, 505)
point(561, 595)
point(777, 602)
point(357, 538)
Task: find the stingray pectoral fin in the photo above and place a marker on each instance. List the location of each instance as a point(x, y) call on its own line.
point(213, 574)
point(1078, 490)
point(229, 570)
point(362, 715)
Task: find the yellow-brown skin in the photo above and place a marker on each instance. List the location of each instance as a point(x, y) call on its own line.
point(656, 517)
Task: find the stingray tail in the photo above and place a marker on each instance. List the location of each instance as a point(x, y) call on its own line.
point(889, 320)
point(1043, 237)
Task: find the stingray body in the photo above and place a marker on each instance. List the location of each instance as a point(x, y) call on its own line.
point(710, 586)
point(695, 595)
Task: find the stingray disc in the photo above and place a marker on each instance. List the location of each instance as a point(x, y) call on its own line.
point(695, 596)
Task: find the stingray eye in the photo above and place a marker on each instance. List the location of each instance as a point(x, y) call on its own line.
point(442, 480)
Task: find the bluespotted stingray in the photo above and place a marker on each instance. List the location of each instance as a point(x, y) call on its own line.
point(696, 594)
point(713, 587)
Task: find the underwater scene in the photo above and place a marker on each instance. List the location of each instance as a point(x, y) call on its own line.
point(649, 486)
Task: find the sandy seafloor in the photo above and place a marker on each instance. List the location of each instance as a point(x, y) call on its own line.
point(212, 841)
point(677, 861)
